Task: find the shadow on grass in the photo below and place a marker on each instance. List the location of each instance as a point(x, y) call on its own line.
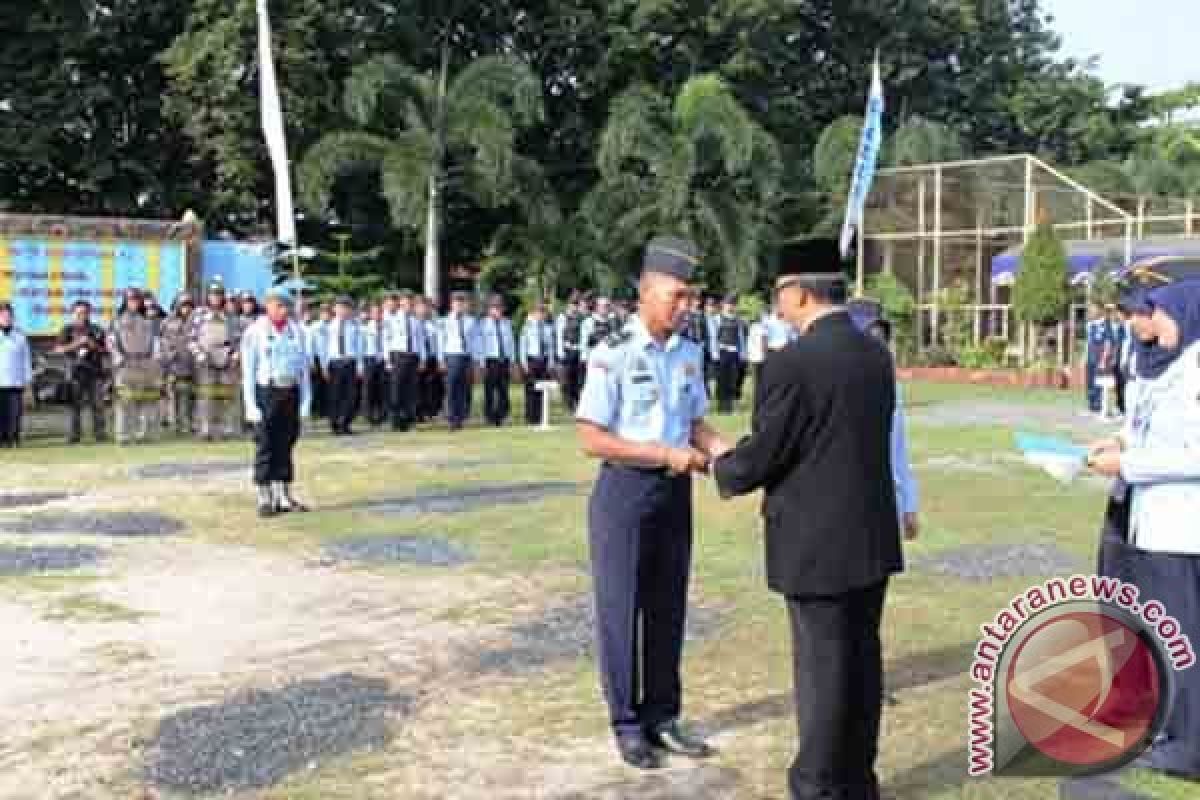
point(910, 672)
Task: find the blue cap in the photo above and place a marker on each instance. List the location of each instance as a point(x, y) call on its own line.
point(279, 294)
point(670, 255)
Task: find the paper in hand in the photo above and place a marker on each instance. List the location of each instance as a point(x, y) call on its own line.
point(1062, 459)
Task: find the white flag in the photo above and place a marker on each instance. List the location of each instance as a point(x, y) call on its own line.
point(272, 124)
point(868, 156)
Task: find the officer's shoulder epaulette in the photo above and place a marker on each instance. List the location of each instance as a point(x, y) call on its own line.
point(619, 338)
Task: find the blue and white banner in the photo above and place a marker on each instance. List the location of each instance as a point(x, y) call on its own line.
point(868, 157)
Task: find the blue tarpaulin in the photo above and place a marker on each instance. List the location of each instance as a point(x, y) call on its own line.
point(1083, 257)
point(239, 265)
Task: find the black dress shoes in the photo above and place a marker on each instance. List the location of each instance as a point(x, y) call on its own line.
point(671, 737)
point(637, 752)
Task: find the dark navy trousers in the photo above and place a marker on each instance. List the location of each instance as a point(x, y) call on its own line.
point(1095, 394)
point(458, 390)
point(640, 535)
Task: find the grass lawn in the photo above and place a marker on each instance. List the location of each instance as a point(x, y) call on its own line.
point(737, 683)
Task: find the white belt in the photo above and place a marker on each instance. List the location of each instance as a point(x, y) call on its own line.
point(281, 383)
point(732, 348)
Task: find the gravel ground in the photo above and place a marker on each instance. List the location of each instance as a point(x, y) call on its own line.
point(256, 738)
point(981, 563)
point(419, 550)
point(188, 470)
point(565, 632)
point(117, 523)
point(471, 498)
point(33, 560)
point(28, 499)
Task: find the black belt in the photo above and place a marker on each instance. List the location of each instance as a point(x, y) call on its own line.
point(655, 472)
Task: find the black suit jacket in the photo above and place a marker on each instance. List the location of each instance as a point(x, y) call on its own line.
point(820, 448)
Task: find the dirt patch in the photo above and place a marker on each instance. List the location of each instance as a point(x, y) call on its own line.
point(420, 551)
point(188, 470)
point(471, 498)
point(123, 524)
point(34, 560)
point(257, 737)
point(565, 633)
point(78, 697)
point(985, 562)
point(698, 783)
point(30, 499)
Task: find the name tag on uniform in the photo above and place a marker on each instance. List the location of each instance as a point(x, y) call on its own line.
point(641, 378)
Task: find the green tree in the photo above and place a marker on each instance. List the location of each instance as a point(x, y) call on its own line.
point(900, 308)
point(426, 133)
point(697, 165)
point(1041, 294)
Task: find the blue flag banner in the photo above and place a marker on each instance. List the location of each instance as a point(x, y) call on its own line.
point(1062, 459)
point(868, 158)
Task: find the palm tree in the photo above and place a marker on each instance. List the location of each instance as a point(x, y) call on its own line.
point(548, 252)
point(696, 165)
point(427, 133)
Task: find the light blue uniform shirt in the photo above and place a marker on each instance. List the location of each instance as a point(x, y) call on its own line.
point(373, 333)
point(458, 336)
point(404, 333)
point(314, 339)
point(350, 347)
point(538, 341)
point(643, 391)
point(779, 333)
point(16, 361)
point(496, 339)
point(906, 482)
point(272, 358)
point(1161, 461)
point(714, 332)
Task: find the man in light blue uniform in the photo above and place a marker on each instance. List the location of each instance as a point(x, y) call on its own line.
point(16, 372)
point(406, 346)
point(277, 395)
point(1099, 351)
point(537, 348)
point(341, 358)
point(458, 350)
point(375, 387)
point(497, 352)
point(598, 326)
point(642, 414)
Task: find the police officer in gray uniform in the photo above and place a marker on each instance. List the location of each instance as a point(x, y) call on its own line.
point(642, 414)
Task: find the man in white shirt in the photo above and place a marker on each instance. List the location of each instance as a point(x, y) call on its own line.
point(458, 350)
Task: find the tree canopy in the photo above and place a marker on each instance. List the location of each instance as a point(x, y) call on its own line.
point(149, 107)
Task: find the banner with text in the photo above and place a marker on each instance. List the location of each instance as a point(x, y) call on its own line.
point(43, 278)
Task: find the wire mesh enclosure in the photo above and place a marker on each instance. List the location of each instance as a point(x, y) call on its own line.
point(952, 233)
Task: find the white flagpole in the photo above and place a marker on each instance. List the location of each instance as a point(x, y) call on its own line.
point(273, 131)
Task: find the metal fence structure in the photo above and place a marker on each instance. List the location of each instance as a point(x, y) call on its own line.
point(939, 228)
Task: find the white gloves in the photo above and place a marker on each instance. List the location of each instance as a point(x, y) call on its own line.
point(253, 414)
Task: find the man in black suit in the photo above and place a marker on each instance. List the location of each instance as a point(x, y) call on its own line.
point(820, 448)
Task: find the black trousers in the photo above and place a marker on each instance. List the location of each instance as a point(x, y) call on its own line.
point(275, 436)
point(375, 391)
point(837, 666)
point(497, 376)
point(431, 391)
point(458, 390)
point(1121, 380)
point(572, 378)
point(402, 389)
point(320, 392)
point(536, 369)
point(85, 392)
point(343, 394)
point(728, 366)
point(640, 540)
point(10, 417)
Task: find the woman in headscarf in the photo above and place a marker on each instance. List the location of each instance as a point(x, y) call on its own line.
point(1157, 459)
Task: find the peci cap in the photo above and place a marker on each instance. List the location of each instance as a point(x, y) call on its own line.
point(815, 258)
point(344, 300)
point(670, 255)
